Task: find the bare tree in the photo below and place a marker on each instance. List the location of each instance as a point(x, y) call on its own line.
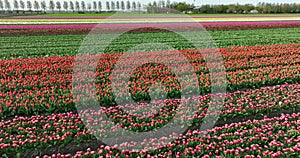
point(123, 5)
point(77, 6)
point(134, 5)
point(118, 5)
point(160, 4)
point(7, 5)
point(51, 5)
point(99, 6)
point(95, 6)
point(107, 6)
point(83, 5)
point(139, 6)
point(155, 4)
point(89, 7)
point(16, 5)
point(29, 5)
point(1, 5)
point(128, 6)
point(113, 6)
point(36, 5)
point(168, 4)
point(22, 5)
point(58, 6)
point(72, 6)
point(43, 5)
point(66, 5)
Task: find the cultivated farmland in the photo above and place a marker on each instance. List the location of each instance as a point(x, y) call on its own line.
point(259, 116)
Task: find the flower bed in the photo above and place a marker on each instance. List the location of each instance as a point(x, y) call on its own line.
point(68, 45)
point(270, 137)
point(21, 133)
point(52, 29)
point(37, 85)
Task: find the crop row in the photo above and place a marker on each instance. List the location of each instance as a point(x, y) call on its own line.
point(239, 103)
point(65, 45)
point(12, 30)
point(45, 130)
point(278, 136)
point(270, 137)
point(32, 86)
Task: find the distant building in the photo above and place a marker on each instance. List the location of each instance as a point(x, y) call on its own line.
point(253, 12)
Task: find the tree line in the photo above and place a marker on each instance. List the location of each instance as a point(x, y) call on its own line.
point(74, 6)
point(261, 7)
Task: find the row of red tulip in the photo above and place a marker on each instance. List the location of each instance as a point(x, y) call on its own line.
point(46, 82)
point(258, 55)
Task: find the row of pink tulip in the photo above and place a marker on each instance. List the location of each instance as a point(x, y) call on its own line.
point(41, 131)
point(155, 25)
point(270, 137)
point(58, 29)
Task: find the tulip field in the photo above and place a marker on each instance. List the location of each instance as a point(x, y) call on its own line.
point(260, 116)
